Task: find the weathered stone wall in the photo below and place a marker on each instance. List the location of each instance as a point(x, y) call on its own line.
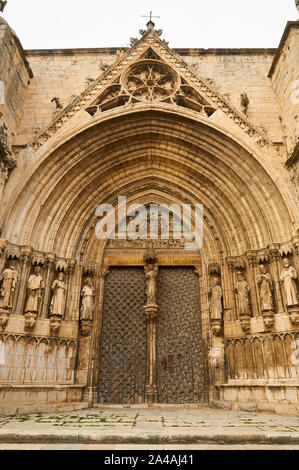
point(64, 74)
point(16, 75)
point(285, 79)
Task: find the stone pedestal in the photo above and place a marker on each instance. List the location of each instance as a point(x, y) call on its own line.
point(55, 322)
point(30, 320)
point(216, 327)
point(268, 317)
point(4, 313)
point(245, 322)
point(86, 326)
point(151, 385)
point(294, 315)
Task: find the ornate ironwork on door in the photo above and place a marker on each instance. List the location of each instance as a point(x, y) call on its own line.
point(122, 375)
point(180, 356)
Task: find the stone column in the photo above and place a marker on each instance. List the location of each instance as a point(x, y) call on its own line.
point(71, 282)
point(25, 258)
point(252, 261)
point(3, 244)
point(89, 348)
point(50, 258)
point(275, 257)
point(231, 269)
point(151, 383)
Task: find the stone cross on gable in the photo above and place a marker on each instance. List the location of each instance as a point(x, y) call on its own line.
point(150, 17)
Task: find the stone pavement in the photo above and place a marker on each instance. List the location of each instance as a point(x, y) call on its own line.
point(149, 428)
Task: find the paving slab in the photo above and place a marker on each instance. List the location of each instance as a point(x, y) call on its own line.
point(152, 426)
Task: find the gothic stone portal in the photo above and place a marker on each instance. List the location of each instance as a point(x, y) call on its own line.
point(180, 358)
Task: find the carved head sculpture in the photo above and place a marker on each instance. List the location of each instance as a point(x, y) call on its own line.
point(88, 281)
point(262, 269)
point(61, 276)
point(37, 270)
point(215, 281)
point(286, 263)
point(11, 266)
point(240, 276)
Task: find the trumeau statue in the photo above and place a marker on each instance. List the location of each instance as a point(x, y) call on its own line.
point(265, 283)
point(288, 278)
point(242, 290)
point(87, 306)
point(59, 287)
point(215, 300)
point(8, 282)
point(151, 272)
point(35, 286)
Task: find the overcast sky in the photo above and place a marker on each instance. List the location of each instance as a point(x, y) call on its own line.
point(42, 24)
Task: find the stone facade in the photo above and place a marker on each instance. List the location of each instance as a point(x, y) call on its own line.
point(215, 127)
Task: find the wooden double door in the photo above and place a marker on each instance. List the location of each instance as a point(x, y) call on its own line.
point(180, 369)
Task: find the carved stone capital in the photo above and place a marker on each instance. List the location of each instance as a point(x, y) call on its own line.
point(198, 270)
point(252, 258)
point(3, 245)
point(62, 265)
point(104, 270)
point(214, 268)
point(26, 254)
point(13, 252)
point(38, 260)
point(239, 265)
point(49, 260)
point(230, 264)
point(274, 252)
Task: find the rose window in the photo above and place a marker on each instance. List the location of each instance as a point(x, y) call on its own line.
point(151, 81)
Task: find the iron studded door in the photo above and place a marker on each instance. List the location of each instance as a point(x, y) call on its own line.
point(180, 357)
point(122, 374)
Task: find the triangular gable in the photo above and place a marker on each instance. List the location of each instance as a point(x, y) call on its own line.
point(150, 72)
